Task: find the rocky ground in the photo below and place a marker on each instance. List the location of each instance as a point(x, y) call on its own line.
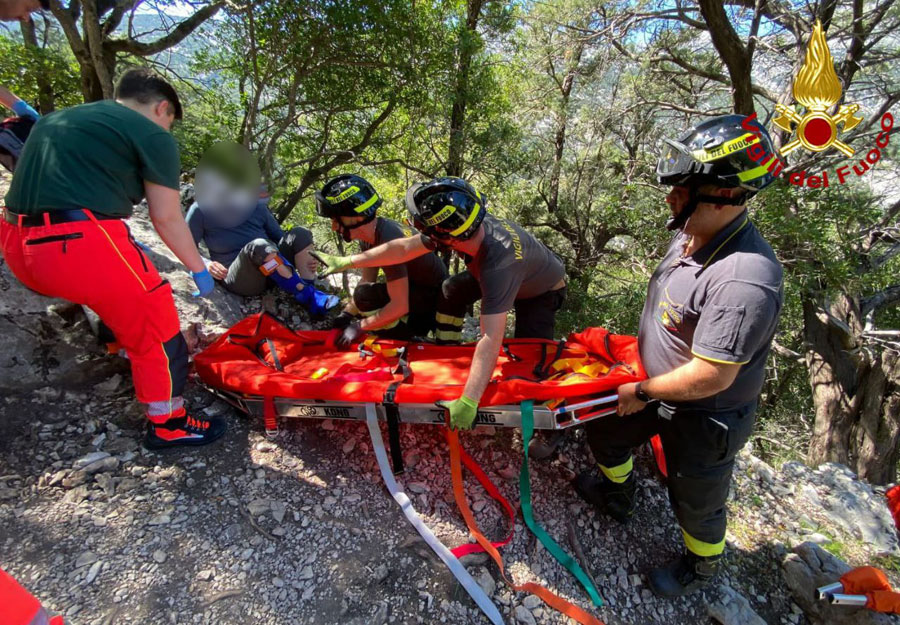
point(301, 529)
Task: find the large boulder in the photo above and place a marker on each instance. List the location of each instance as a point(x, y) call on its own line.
point(848, 503)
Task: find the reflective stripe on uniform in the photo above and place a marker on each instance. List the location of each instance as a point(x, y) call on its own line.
point(448, 335)
point(701, 548)
point(448, 319)
point(618, 473)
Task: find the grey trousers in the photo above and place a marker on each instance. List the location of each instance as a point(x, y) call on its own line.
point(244, 277)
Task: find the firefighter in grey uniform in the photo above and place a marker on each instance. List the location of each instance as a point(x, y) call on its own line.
point(711, 312)
point(405, 304)
point(507, 268)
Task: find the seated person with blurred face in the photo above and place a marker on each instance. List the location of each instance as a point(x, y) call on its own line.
point(247, 247)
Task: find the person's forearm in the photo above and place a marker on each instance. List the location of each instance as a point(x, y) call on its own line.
point(483, 363)
point(694, 380)
point(394, 252)
point(177, 236)
point(8, 98)
point(386, 316)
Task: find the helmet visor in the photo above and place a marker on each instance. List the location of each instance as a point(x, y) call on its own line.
point(675, 160)
point(322, 205)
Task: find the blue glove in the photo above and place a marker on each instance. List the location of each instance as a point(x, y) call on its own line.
point(204, 281)
point(23, 109)
point(143, 246)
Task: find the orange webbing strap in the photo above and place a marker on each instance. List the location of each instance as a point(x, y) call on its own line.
point(558, 603)
point(270, 416)
point(494, 492)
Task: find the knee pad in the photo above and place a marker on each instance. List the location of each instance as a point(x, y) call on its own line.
point(258, 249)
point(461, 287)
point(370, 296)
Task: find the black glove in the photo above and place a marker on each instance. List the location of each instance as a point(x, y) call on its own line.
point(342, 320)
point(350, 334)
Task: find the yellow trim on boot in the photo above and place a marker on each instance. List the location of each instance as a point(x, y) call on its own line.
point(618, 474)
point(700, 548)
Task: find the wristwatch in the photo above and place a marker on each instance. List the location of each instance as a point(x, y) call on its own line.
point(641, 394)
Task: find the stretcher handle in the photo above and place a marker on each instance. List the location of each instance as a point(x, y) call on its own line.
point(823, 592)
point(841, 599)
point(573, 421)
point(586, 404)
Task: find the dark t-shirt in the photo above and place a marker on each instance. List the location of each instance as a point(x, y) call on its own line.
point(224, 244)
point(95, 156)
point(512, 265)
point(721, 304)
point(426, 271)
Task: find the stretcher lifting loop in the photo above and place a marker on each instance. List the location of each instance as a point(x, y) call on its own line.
point(494, 492)
point(569, 609)
point(525, 493)
point(459, 572)
point(270, 417)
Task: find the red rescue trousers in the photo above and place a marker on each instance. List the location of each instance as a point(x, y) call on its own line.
point(97, 263)
point(18, 607)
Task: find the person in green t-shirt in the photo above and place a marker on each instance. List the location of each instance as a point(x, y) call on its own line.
point(63, 234)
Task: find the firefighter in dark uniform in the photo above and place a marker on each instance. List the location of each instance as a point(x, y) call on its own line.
point(507, 268)
point(405, 304)
point(711, 312)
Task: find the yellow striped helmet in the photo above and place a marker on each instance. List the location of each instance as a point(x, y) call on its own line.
point(446, 208)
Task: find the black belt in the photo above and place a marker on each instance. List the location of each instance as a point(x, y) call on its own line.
point(56, 217)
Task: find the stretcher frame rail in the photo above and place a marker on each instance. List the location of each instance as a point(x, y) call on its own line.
point(545, 418)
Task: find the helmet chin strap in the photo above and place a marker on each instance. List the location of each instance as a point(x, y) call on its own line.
point(345, 230)
point(679, 221)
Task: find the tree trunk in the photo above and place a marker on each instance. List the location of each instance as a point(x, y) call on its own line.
point(45, 100)
point(856, 392)
point(467, 47)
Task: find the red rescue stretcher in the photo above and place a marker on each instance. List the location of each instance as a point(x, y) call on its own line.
point(268, 370)
point(301, 374)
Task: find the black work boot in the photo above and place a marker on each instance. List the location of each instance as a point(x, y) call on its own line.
point(543, 446)
point(616, 500)
point(684, 575)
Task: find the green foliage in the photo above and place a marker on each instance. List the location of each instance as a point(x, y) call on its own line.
point(20, 65)
point(563, 106)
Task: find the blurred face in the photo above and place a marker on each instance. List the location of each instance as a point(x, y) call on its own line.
point(220, 197)
point(17, 9)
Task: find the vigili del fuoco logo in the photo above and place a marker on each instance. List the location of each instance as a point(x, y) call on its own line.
point(818, 90)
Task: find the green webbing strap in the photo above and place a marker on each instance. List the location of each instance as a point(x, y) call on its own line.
point(525, 500)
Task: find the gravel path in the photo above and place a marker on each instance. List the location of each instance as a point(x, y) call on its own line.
point(296, 531)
